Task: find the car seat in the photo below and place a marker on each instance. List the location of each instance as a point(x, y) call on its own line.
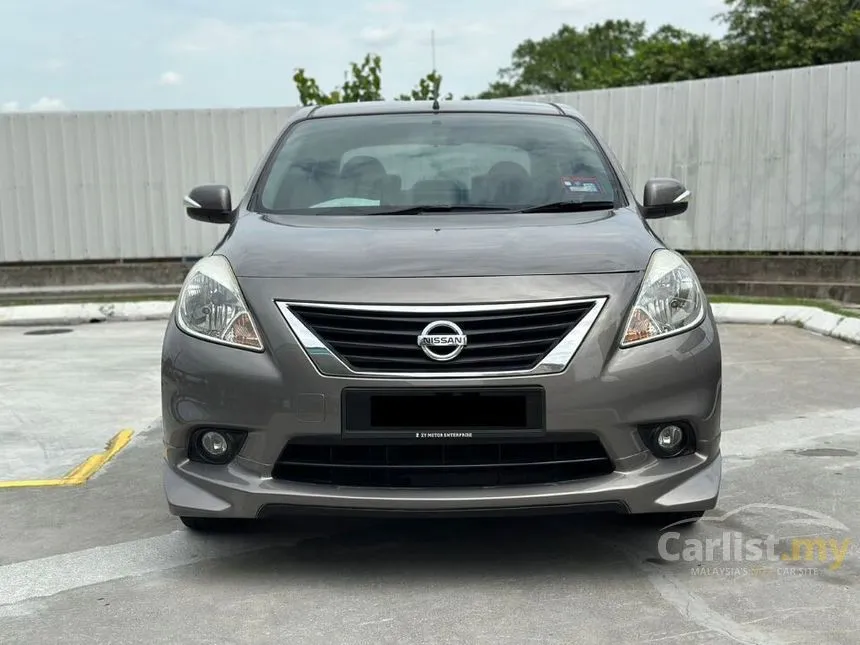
point(438, 192)
point(508, 183)
point(363, 177)
point(300, 188)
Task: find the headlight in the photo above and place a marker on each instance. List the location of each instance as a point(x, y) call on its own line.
point(669, 302)
point(211, 307)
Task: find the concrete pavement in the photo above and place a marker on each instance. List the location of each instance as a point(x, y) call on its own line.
point(64, 396)
point(103, 562)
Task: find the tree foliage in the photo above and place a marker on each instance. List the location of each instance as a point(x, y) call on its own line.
point(764, 35)
point(671, 54)
point(761, 35)
point(427, 89)
point(572, 60)
point(363, 83)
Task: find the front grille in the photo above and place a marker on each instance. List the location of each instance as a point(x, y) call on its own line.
point(498, 340)
point(409, 465)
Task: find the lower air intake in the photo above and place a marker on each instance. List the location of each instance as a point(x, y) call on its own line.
point(407, 465)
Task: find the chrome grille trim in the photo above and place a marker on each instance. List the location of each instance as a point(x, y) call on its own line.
point(328, 363)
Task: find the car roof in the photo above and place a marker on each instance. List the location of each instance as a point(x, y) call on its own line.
point(414, 107)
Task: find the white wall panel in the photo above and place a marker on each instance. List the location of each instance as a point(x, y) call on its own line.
point(109, 185)
point(772, 159)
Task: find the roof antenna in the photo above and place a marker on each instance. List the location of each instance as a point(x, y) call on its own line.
point(436, 78)
point(433, 49)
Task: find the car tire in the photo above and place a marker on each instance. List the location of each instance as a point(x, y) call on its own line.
point(213, 524)
point(660, 520)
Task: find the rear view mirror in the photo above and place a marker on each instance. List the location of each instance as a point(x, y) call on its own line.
point(210, 203)
point(665, 198)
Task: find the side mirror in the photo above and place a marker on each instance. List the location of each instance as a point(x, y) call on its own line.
point(665, 198)
point(210, 203)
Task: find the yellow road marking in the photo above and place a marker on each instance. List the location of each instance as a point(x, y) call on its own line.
point(80, 474)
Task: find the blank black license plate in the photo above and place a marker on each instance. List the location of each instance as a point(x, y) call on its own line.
point(444, 414)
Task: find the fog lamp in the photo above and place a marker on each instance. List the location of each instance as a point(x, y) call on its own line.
point(211, 446)
point(214, 444)
point(669, 440)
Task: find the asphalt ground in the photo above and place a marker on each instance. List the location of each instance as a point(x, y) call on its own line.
point(103, 562)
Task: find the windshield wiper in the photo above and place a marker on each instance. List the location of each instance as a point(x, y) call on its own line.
point(443, 208)
point(569, 207)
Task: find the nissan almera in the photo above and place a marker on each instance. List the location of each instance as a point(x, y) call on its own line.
point(423, 308)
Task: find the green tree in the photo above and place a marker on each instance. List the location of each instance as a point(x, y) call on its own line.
point(764, 35)
point(427, 89)
point(671, 54)
point(363, 83)
point(502, 89)
point(570, 60)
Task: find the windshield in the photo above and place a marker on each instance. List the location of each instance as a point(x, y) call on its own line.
point(385, 163)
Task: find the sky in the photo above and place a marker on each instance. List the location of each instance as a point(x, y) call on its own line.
point(176, 54)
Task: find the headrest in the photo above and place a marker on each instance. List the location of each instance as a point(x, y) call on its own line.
point(363, 166)
point(507, 169)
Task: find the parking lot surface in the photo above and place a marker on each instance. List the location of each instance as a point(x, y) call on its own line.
point(103, 562)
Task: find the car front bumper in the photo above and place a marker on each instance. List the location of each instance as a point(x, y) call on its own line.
point(606, 392)
point(689, 483)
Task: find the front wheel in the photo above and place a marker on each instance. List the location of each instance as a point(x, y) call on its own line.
point(680, 520)
point(214, 524)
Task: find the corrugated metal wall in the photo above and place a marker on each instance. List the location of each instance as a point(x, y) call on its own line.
point(773, 161)
point(109, 185)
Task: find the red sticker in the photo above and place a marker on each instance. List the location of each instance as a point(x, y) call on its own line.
point(581, 184)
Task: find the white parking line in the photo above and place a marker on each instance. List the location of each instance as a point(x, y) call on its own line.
point(45, 577)
point(745, 444)
point(691, 606)
point(56, 574)
point(740, 448)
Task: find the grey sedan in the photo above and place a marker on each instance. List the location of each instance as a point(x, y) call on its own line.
point(427, 308)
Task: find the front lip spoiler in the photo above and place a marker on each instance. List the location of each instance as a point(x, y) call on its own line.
point(272, 511)
point(328, 363)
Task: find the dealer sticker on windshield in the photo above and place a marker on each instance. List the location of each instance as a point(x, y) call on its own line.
point(581, 184)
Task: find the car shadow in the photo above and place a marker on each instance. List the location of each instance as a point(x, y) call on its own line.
point(429, 549)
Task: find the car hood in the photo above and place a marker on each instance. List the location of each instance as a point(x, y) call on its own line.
point(446, 245)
